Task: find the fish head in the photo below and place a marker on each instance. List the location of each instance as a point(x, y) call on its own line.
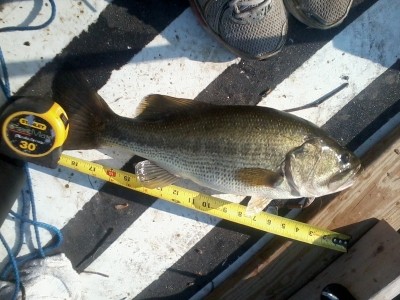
point(320, 167)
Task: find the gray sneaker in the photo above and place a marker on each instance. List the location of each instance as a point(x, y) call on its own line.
point(254, 29)
point(321, 14)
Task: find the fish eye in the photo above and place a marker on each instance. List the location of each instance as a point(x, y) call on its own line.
point(344, 158)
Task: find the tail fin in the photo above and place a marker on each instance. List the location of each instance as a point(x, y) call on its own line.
point(86, 110)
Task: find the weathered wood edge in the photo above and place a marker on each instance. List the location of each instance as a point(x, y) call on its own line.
point(369, 268)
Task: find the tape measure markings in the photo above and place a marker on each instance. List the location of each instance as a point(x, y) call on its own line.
point(214, 206)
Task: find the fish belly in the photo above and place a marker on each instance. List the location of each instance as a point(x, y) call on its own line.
point(217, 173)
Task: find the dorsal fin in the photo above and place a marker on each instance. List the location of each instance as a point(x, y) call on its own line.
point(157, 107)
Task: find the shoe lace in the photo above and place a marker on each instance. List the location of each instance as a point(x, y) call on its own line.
point(250, 10)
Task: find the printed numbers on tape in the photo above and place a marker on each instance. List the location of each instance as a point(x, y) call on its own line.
point(215, 207)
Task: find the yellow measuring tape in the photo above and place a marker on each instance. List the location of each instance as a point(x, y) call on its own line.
point(214, 206)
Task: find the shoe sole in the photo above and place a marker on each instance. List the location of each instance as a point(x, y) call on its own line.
point(291, 6)
point(197, 11)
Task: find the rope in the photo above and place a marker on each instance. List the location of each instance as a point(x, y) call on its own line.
point(5, 86)
point(14, 266)
point(27, 204)
point(58, 240)
point(33, 207)
point(37, 27)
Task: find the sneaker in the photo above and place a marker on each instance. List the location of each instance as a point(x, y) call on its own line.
point(321, 14)
point(253, 29)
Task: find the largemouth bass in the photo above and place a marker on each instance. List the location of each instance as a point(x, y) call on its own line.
point(243, 150)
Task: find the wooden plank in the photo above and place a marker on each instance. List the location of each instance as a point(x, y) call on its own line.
point(369, 270)
point(282, 267)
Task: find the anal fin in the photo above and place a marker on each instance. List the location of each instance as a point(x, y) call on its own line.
point(152, 176)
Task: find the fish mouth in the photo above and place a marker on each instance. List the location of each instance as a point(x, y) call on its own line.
point(345, 178)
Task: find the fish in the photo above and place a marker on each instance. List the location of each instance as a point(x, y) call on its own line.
point(243, 150)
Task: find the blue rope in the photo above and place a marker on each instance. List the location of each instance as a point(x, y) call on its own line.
point(41, 252)
point(37, 27)
point(5, 86)
point(33, 207)
point(22, 225)
point(14, 266)
point(45, 250)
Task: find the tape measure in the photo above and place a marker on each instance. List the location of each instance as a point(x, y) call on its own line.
point(34, 130)
point(215, 206)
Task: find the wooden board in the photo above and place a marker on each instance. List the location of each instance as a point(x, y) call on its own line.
point(282, 267)
point(370, 270)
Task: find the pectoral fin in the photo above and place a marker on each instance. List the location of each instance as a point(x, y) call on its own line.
point(259, 177)
point(152, 176)
point(256, 205)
